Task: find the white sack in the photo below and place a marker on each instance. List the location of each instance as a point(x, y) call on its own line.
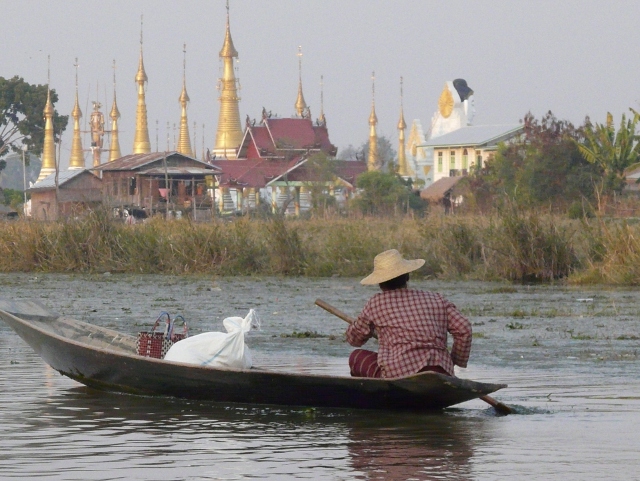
point(217, 349)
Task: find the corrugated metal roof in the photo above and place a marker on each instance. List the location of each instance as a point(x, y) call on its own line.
point(182, 171)
point(137, 161)
point(64, 176)
point(439, 188)
point(474, 135)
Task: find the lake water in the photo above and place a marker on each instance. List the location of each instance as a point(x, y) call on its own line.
point(569, 355)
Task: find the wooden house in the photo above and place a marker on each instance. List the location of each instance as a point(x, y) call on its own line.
point(156, 181)
point(77, 191)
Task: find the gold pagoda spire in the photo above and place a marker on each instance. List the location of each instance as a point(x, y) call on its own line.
point(114, 148)
point(76, 161)
point(184, 142)
point(372, 159)
point(301, 105)
point(229, 133)
point(141, 143)
point(49, 147)
point(402, 125)
point(322, 119)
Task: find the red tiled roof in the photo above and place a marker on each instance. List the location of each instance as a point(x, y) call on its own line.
point(251, 173)
point(292, 133)
point(262, 140)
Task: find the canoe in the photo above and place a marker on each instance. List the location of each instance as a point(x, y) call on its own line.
point(107, 360)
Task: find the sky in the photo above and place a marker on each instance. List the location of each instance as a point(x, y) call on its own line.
point(575, 58)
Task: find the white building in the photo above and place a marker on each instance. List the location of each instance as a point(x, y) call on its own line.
point(456, 153)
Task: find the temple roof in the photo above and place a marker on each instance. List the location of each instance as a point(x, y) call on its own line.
point(259, 174)
point(276, 136)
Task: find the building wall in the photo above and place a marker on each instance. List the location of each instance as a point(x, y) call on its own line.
point(454, 161)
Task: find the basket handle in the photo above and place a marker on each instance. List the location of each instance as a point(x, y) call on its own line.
point(185, 329)
point(167, 327)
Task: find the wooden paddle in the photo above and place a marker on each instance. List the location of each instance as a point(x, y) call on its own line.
point(497, 405)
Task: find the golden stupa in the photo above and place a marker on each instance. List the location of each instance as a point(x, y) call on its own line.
point(403, 170)
point(49, 147)
point(141, 143)
point(372, 159)
point(76, 161)
point(229, 133)
point(114, 148)
point(184, 142)
point(301, 105)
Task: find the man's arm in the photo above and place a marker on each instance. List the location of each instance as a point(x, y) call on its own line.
point(460, 328)
point(360, 331)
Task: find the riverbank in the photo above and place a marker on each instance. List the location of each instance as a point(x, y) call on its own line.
point(518, 246)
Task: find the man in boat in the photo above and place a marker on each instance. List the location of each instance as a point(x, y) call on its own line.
point(411, 325)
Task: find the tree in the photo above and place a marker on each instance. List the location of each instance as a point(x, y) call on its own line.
point(320, 171)
point(21, 116)
point(612, 151)
point(386, 153)
point(543, 167)
point(382, 193)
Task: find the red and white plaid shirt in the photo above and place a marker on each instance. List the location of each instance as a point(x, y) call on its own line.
point(412, 330)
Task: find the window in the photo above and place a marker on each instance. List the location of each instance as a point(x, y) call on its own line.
point(479, 158)
point(465, 159)
point(452, 160)
point(439, 161)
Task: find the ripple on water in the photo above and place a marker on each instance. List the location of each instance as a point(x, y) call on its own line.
point(574, 384)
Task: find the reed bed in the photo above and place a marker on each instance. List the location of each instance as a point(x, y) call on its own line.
point(512, 245)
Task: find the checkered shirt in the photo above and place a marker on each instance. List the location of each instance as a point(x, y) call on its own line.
point(412, 330)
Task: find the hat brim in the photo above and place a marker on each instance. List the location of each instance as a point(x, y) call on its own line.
point(376, 277)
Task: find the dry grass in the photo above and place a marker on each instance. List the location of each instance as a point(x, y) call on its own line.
point(514, 246)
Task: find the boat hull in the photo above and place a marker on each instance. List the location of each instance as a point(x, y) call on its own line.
point(104, 359)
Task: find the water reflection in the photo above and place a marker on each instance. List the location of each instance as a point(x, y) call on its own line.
point(78, 427)
point(422, 448)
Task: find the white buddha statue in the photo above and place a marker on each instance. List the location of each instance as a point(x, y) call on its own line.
point(455, 109)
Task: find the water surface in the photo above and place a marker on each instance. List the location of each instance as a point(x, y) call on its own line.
point(569, 355)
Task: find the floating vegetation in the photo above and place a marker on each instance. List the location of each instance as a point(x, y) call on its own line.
point(306, 335)
point(516, 326)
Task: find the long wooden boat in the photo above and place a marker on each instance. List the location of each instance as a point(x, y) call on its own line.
point(105, 359)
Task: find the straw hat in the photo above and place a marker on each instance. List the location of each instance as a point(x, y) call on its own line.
point(389, 265)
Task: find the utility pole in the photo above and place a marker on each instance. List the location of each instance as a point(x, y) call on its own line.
point(24, 176)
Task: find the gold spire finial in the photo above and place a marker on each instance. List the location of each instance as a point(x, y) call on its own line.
point(322, 119)
point(229, 132)
point(372, 158)
point(141, 144)
point(373, 120)
point(114, 148)
point(49, 147)
point(184, 141)
point(76, 160)
point(228, 50)
point(301, 105)
point(402, 125)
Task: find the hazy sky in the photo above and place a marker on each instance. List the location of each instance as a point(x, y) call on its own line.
point(574, 58)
